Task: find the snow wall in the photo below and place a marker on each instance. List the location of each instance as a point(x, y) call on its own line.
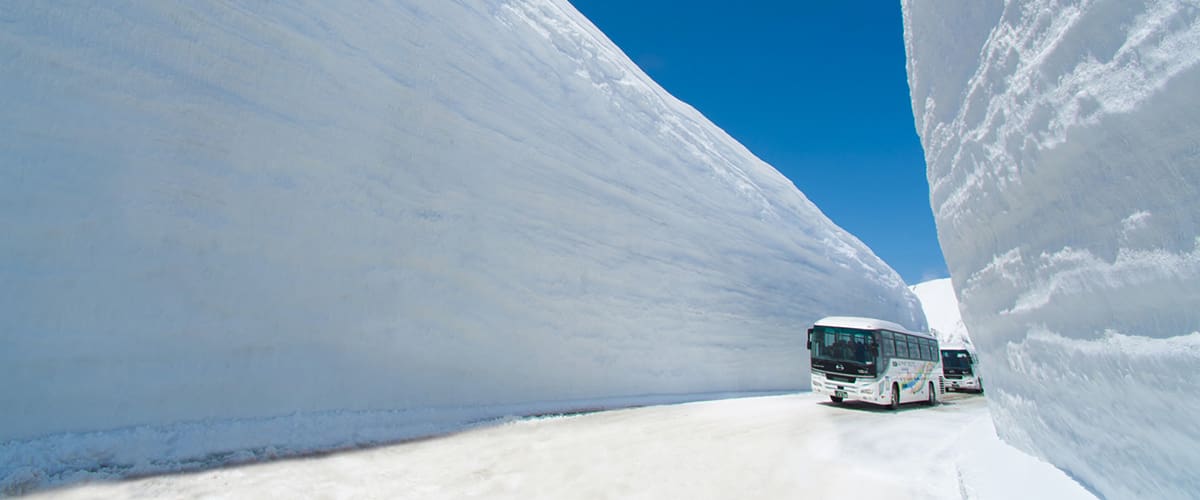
point(940, 306)
point(274, 227)
point(1063, 147)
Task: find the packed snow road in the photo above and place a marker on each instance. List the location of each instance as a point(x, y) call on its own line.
point(790, 446)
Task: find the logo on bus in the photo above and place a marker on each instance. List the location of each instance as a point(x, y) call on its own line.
point(839, 366)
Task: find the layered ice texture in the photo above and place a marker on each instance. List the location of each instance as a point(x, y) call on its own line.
point(262, 228)
point(1063, 147)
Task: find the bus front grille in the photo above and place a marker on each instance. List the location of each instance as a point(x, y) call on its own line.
point(840, 378)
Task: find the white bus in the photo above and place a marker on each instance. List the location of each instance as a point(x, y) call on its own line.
point(960, 367)
point(876, 361)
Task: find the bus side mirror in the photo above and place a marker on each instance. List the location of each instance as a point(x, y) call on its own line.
point(808, 345)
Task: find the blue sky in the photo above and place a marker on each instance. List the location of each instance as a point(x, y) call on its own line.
point(816, 89)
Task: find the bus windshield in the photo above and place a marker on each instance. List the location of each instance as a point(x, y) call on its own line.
point(844, 344)
point(956, 359)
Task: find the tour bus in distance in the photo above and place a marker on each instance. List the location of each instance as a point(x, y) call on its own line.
point(959, 365)
point(876, 361)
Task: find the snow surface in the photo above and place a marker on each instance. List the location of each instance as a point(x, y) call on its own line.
point(226, 224)
point(789, 446)
point(941, 312)
point(1064, 168)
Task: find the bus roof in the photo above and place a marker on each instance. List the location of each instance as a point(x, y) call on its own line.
point(867, 324)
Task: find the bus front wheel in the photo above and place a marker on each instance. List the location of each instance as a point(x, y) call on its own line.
point(895, 397)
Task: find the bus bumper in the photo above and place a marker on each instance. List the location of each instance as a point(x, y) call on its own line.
point(964, 383)
point(859, 390)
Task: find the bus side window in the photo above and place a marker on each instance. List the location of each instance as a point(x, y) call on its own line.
point(901, 347)
point(889, 349)
point(914, 350)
